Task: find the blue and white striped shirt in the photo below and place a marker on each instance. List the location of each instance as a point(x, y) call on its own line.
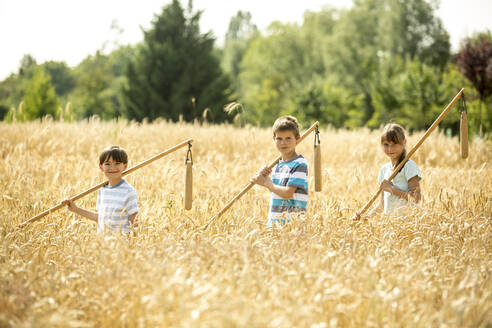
point(115, 205)
point(293, 173)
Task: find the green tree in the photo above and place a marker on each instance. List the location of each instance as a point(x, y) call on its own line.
point(422, 94)
point(39, 97)
point(118, 61)
point(273, 68)
point(353, 52)
point(61, 77)
point(7, 91)
point(322, 100)
point(474, 60)
point(264, 73)
point(175, 72)
point(239, 35)
point(27, 66)
point(240, 32)
point(12, 89)
point(374, 40)
point(93, 93)
point(284, 69)
point(315, 31)
point(409, 29)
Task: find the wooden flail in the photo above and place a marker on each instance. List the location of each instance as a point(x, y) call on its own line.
point(251, 184)
point(414, 149)
point(102, 184)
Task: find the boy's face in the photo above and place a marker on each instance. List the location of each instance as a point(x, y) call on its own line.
point(112, 169)
point(285, 141)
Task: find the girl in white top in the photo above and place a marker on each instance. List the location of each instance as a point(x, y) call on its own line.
point(405, 186)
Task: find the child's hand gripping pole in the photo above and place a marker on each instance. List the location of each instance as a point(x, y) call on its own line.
point(414, 149)
point(88, 191)
point(251, 184)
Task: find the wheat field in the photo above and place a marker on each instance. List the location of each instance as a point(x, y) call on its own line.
point(429, 267)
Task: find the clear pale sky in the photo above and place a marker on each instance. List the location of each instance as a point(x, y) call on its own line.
point(69, 30)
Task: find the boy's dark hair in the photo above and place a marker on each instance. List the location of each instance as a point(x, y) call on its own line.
point(117, 153)
point(286, 123)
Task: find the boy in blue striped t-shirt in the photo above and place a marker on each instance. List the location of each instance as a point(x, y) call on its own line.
point(117, 203)
point(289, 182)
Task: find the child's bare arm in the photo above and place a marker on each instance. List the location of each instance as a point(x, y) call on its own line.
point(286, 192)
point(413, 184)
point(80, 211)
point(133, 220)
point(133, 223)
point(264, 180)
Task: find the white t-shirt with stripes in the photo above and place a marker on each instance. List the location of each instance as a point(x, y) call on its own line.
point(114, 206)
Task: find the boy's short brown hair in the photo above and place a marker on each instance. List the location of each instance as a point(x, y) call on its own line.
point(286, 123)
point(117, 153)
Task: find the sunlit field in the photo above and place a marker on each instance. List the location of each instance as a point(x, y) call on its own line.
point(429, 267)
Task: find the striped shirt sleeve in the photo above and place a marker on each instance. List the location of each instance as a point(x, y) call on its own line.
point(131, 203)
point(299, 176)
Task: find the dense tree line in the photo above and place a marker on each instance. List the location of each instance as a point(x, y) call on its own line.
point(378, 61)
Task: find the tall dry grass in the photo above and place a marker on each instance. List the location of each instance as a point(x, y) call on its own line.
point(426, 268)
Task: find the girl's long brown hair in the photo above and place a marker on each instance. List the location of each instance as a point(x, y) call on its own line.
point(396, 134)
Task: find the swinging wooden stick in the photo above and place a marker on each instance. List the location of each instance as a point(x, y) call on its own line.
point(102, 184)
point(251, 184)
point(414, 149)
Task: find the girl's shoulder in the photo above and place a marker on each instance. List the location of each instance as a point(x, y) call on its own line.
point(410, 169)
point(410, 164)
point(385, 171)
point(386, 166)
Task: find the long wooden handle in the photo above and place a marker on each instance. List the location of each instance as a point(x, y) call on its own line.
point(102, 184)
point(414, 149)
point(251, 184)
point(243, 191)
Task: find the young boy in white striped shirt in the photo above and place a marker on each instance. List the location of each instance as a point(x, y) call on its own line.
point(117, 203)
point(289, 182)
